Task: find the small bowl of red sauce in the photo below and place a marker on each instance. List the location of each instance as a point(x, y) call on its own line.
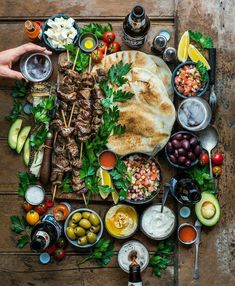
point(187, 233)
point(107, 160)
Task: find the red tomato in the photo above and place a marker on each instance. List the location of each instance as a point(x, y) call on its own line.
point(217, 171)
point(102, 46)
point(204, 158)
point(97, 56)
point(49, 203)
point(109, 37)
point(217, 159)
point(114, 47)
point(59, 254)
point(41, 209)
point(27, 207)
point(52, 249)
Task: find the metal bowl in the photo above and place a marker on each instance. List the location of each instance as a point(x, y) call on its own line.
point(88, 35)
point(127, 236)
point(177, 165)
point(200, 93)
point(46, 27)
point(178, 231)
point(154, 193)
point(74, 242)
point(160, 238)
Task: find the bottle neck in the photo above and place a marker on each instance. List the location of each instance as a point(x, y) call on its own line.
point(137, 17)
point(134, 274)
point(41, 240)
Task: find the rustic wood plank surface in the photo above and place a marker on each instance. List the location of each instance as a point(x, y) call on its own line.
point(217, 252)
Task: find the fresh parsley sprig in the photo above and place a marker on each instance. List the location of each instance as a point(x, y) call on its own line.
point(116, 73)
point(101, 253)
point(82, 59)
point(20, 226)
point(25, 180)
point(38, 138)
point(203, 71)
point(16, 111)
point(41, 110)
point(206, 42)
point(160, 260)
point(66, 185)
point(96, 29)
point(20, 89)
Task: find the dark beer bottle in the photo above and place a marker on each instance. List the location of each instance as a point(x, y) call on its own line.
point(135, 27)
point(45, 233)
point(134, 275)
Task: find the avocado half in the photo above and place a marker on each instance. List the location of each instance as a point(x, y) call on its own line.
point(208, 209)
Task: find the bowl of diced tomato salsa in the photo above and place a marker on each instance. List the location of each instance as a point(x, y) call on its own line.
point(187, 82)
point(145, 175)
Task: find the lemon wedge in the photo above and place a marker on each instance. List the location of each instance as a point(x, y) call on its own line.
point(196, 56)
point(115, 197)
point(104, 180)
point(182, 52)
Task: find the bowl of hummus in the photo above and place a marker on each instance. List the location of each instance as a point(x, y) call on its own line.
point(157, 225)
point(121, 221)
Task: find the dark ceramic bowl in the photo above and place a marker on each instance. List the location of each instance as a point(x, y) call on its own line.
point(177, 165)
point(200, 93)
point(155, 192)
point(46, 27)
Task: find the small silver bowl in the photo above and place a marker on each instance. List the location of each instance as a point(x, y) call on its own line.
point(104, 167)
point(82, 39)
point(178, 233)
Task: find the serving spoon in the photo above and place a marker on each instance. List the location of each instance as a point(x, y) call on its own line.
point(209, 139)
point(165, 194)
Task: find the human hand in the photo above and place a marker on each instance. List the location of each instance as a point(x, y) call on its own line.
point(8, 57)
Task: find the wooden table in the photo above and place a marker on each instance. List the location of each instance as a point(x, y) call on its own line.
point(217, 252)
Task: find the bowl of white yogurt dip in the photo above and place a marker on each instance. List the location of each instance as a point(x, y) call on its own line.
point(157, 225)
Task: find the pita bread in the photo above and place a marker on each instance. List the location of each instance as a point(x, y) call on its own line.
point(149, 116)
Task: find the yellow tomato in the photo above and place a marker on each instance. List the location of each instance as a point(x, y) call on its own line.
point(32, 217)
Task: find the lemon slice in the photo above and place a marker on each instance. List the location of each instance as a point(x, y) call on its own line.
point(196, 56)
point(115, 197)
point(104, 180)
point(182, 52)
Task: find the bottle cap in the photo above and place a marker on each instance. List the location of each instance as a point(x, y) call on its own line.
point(27, 108)
point(44, 258)
point(166, 34)
point(185, 212)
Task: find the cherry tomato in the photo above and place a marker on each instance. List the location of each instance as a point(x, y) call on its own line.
point(49, 203)
point(204, 158)
point(114, 47)
point(97, 56)
point(32, 217)
point(27, 207)
point(51, 250)
point(109, 37)
point(41, 209)
point(217, 159)
point(102, 46)
point(59, 254)
point(217, 171)
point(62, 242)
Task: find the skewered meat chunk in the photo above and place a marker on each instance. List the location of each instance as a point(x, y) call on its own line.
point(73, 75)
point(77, 183)
point(62, 105)
point(60, 150)
point(68, 96)
point(57, 124)
point(87, 80)
point(102, 72)
point(85, 93)
point(76, 162)
point(72, 149)
point(66, 131)
point(63, 62)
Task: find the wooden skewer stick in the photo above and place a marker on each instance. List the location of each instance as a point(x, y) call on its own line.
point(75, 60)
point(105, 52)
point(54, 192)
point(89, 67)
point(63, 115)
point(55, 138)
point(81, 149)
point(71, 114)
point(84, 199)
point(68, 57)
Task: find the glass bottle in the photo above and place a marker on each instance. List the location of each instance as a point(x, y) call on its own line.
point(134, 273)
point(135, 27)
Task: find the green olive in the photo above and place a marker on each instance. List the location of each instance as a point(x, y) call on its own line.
point(76, 217)
point(85, 223)
point(79, 231)
point(91, 237)
point(72, 224)
point(82, 240)
point(95, 229)
point(70, 233)
point(94, 219)
point(86, 215)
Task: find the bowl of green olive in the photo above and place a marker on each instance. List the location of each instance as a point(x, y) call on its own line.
point(83, 228)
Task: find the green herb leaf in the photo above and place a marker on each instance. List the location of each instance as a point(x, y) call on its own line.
point(122, 96)
point(20, 88)
point(41, 111)
point(66, 185)
point(16, 111)
point(206, 42)
point(38, 138)
point(96, 29)
point(23, 241)
point(25, 180)
point(82, 59)
point(18, 225)
point(117, 72)
point(203, 71)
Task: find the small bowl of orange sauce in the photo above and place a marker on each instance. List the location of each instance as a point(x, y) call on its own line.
point(187, 233)
point(107, 160)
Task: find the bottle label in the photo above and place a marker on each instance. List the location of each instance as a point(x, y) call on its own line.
point(134, 42)
point(50, 218)
point(135, 284)
point(45, 236)
point(136, 25)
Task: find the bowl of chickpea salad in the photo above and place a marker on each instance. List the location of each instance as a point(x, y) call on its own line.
point(187, 82)
point(146, 177)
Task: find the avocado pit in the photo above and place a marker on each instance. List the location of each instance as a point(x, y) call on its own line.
point(208, 210)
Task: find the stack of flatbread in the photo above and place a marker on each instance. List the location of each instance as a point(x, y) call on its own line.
point(149, 116)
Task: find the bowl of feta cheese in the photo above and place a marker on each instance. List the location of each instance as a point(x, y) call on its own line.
point(60, 30)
